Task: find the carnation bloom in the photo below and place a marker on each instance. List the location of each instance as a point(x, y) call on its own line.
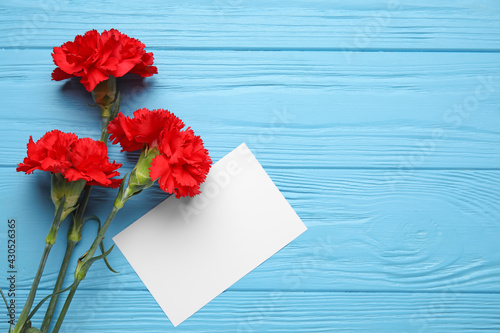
point(182, 165)
point(74, 158)
point(173, 155)
point(95, 57)
point(144, 128)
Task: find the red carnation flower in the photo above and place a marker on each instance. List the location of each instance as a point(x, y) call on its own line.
point(74, 158)
point(94, 57)
point(144, 128)
point(181, 163)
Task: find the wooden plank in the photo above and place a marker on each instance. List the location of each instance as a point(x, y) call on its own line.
point(429, 230)
point(237, 24)
point(114, 309)
point(397, 185)
point(294, 109)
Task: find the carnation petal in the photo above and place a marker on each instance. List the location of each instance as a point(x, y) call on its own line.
point(161, 170)
point(183, 176)
point(93, 78)
point(58, 74)
point(123, 67)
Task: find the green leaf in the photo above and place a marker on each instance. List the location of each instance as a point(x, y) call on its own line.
point(93, 217)
point(44, 299)
point(102, 256)
point(101, 245)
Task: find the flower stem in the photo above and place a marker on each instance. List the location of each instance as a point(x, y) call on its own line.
point(49, 242)
point(65, 307)
point(57, 287)
point(83, 266)
point(74, 236)
point(31, 297)
point(108, 112)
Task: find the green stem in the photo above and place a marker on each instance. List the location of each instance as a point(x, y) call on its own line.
point(31, 297)
point(33, 312)
point(83, 267)
point(65, 307)
point(100, 235)
point(49, 242)
point(108, 112)
point(57, 287)
point(74, 235)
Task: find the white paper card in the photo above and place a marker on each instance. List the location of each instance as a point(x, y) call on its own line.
point(189, 250)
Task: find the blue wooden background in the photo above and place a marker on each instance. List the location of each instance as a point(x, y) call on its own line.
point(378, 120)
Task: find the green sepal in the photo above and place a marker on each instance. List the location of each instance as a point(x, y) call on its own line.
point(104, 94)
point(70, 189)
point(139, 177)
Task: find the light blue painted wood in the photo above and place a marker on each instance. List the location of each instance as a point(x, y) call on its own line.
point(260, 24)
point(292, 312)
point(434, 231)
point(390, 158)
point(407, 118)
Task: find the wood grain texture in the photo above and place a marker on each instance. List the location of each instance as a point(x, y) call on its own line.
point(294, 109)
point(378, 121)
point(135, 311)
point(426, 231)
point(253, 25)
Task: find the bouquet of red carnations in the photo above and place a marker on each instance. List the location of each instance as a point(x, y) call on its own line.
point(169, 153)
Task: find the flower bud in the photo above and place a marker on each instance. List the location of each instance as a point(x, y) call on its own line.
point(60, 188)
point(81, 268)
